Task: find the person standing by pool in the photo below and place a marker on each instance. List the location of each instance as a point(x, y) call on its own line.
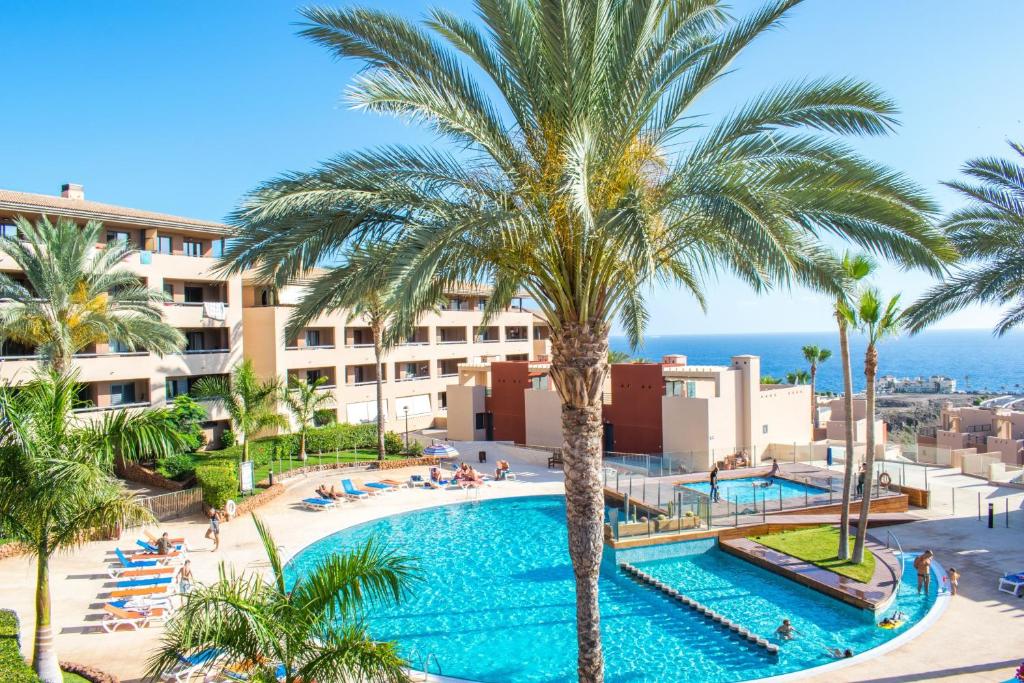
point(923, 565)
point(214, 531)
point(714, 484)
point(184, 578)
point(860, 480)
point(954, 580)
point(775, 470)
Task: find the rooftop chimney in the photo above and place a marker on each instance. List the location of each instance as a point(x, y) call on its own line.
point(72, 191)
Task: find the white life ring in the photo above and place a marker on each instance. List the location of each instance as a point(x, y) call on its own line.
point(229, 507)
point(884, 479)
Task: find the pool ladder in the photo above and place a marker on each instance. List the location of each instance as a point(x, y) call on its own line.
point(752, 638)
point(423, 673)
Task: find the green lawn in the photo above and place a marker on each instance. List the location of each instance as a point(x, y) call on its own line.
point(73, 678)
point(818, 546)
point(263, 470)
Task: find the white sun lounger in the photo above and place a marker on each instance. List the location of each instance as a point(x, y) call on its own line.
point(318, 503)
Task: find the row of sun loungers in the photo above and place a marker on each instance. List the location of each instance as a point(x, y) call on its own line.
point(141, 596)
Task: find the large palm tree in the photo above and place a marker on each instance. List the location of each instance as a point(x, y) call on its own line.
point(251, 402)
point(585, 182)
point(877, 319)
point(57, 485)
point(815, 356)
point(303, 400)
point(989, 233)
point(311, 630)
point(855, 268)
point(75, 294)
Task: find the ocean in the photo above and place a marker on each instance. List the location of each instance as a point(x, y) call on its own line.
point(976, 359)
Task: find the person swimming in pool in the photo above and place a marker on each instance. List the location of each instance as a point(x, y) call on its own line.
point(786, 630)
point(837, 653)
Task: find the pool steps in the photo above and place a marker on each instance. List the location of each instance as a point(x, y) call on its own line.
point(715, 617)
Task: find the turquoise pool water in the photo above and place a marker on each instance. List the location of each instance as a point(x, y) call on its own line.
point(497, 602)
point(745, 489)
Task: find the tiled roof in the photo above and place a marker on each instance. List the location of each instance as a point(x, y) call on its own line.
point(26, 202)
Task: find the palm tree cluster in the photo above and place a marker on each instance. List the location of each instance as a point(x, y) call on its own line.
point(57, 487)
point(572, 171)
point(312, 629)
point(74, 295)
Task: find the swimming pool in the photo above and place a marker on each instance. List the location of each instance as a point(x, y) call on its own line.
point(751, 489)
point(497, 602)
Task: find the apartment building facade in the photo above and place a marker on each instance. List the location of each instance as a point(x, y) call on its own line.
point(993, 431)
point(699, 413)
point(228, 318)
point(177, 255)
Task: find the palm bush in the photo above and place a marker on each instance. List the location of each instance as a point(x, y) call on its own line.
point(304, 400)
point(989, 233)
point(57, 487)
point(574, 173)
point(251, 402)
point(312, 630)
point(75, 294)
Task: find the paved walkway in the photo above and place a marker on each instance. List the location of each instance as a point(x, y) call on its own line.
point(979, 638)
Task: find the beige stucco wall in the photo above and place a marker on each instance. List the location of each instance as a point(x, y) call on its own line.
point(543, 418)
point(464, 402)
point(786, 414)
point(685, 426)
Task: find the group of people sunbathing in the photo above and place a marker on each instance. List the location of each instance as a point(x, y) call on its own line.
point(329, 493)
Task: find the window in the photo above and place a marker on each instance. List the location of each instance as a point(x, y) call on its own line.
point(217, 248)
point(442, 400)
point(481, 421)
point(195, 341)
point(192, 248)
point(169, 290)
point(117, 236)
point(481, 304)
point(411, 370)
point(764, 429)
point(267, 297)
point(118, 347)
point(163, 244)
point(9, 230)
point(365, 411)
point(313, 375)
point(673, 388)
point(176, 387)
point(193, 295)
point(691, 389)
point(122, 394)
point(312, 337)
point(417, 405)
point(540, 382)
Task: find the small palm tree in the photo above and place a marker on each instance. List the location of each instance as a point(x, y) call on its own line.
point(304, 399)
point(878, 319)
point(75, 294)
point(797, 377)
point(251, 402)
point(617, 357)
point(57, 486)
point(855, 269)
point(770, 379)
point(989, 233)
point(815, 356)
point(312, 630)
point(561, 174)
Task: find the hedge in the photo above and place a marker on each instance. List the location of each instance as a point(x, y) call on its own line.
point(13, 668)
point(219, 480)
point(334, 437)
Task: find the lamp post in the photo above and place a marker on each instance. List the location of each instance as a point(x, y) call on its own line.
point(405, 409)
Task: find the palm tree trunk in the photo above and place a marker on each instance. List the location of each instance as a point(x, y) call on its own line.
point(814, 400)
point(44, 657)
point(245, 449)
point(378, 351)
point(844, 516)
point(578, 369)
point(870, 368)
point(302, 445)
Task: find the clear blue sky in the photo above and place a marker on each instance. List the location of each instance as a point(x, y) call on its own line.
point(183, 106)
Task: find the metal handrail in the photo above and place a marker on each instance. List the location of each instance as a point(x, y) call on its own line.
point(891, 537)
point(426, 664)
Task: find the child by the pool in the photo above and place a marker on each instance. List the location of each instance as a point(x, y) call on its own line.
point(954, 580)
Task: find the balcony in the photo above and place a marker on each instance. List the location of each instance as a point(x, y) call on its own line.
point(320, 347)
point(413, 378)
point(517, 333)
point(107, 409)
point(362, 375)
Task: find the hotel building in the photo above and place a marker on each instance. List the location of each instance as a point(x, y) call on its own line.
point(228, 318)
point(698, 413)
point(992, 431)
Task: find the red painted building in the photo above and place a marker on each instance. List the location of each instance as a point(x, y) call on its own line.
point(507, 404)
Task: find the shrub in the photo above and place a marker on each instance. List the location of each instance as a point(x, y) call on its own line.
point(393, 443)
point(13, 668)
point(219, 481)
point(324, 417)
point(178, 466)
point(415, 448)
point(227, 439)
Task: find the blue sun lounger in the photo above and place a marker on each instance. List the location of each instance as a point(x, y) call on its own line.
point(317, 503)
point(189, 666)
point(133, 564)
point(139, 583)
point(351, 490)
point(379, 485)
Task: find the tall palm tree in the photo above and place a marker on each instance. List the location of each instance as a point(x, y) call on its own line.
point(74, 294)
point(815, 356)
point(573, 186)
point(878, 319)
point(989, 233)
point(310, 630)
point(57, 484)
point(303, 400)
point(251, 402)
point(855, 268)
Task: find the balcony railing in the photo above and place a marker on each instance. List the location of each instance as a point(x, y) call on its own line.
point(324, 387)
point(195, 303)
point(516, 339)
point(191, 352)
point(359, 346)
point(318, 347)
point(415, 343)
point(362, 384)
point(452, 341)
point(450, 374)
point(480, 340)
point(414, 378)
point(119, 406)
